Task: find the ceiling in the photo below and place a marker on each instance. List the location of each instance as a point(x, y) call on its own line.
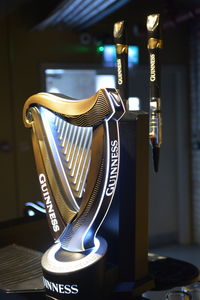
point(83, 14)
point(80, 15)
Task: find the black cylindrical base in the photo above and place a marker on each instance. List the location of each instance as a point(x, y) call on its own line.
point(71, 275)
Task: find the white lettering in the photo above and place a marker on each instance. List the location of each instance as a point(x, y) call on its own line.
point(60, 287)
point(54, 286)
point(48, 203)
point(74, 289)
point(114, 168)
point(152, 67)
point(56, 228)
point(119, 71)
point(42, 178)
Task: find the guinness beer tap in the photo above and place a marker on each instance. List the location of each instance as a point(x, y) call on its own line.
point(77, 153)
point(120, 39)
point(154, 45)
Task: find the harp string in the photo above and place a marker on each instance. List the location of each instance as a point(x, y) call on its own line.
point(74, 147)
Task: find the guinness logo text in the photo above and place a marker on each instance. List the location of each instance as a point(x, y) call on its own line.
point(119, 71)
point(152, 67)
point(60, 288)
point(48, 203)
point(114, 168)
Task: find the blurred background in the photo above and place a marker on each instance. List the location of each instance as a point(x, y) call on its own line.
point(67, 47)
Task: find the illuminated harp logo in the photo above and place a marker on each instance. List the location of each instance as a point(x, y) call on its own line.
point(77, 152)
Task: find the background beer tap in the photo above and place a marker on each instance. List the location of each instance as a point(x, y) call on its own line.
point(154, 45)
point(120, 39)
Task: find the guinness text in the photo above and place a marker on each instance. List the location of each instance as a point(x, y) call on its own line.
point(119, 71)
point(114, 168)
point(60, 288)
point(152, 67)
point(48, 203)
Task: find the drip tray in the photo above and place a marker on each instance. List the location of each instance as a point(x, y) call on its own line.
point(20, 270)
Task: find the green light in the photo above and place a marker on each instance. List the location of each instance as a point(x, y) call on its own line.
point(100, 49)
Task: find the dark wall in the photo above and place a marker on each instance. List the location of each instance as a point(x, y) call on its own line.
point(22, 53)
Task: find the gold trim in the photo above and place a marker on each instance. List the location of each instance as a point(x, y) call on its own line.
point(154, 43)
point(153, 22)
point(66, 107)
point(118, 29)
point(120, 48)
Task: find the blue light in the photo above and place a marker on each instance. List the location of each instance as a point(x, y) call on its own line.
point(54, 71)
point(31, 213)
point(133, 55)
point(109, 55)
point(40, 203)
point(35, 206)
point(109, 50)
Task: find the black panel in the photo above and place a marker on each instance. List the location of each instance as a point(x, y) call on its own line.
point(126, 225)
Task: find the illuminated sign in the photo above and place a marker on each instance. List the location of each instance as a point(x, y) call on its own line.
point(109, 55)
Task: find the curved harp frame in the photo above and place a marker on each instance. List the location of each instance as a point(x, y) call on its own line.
point(75, 214)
